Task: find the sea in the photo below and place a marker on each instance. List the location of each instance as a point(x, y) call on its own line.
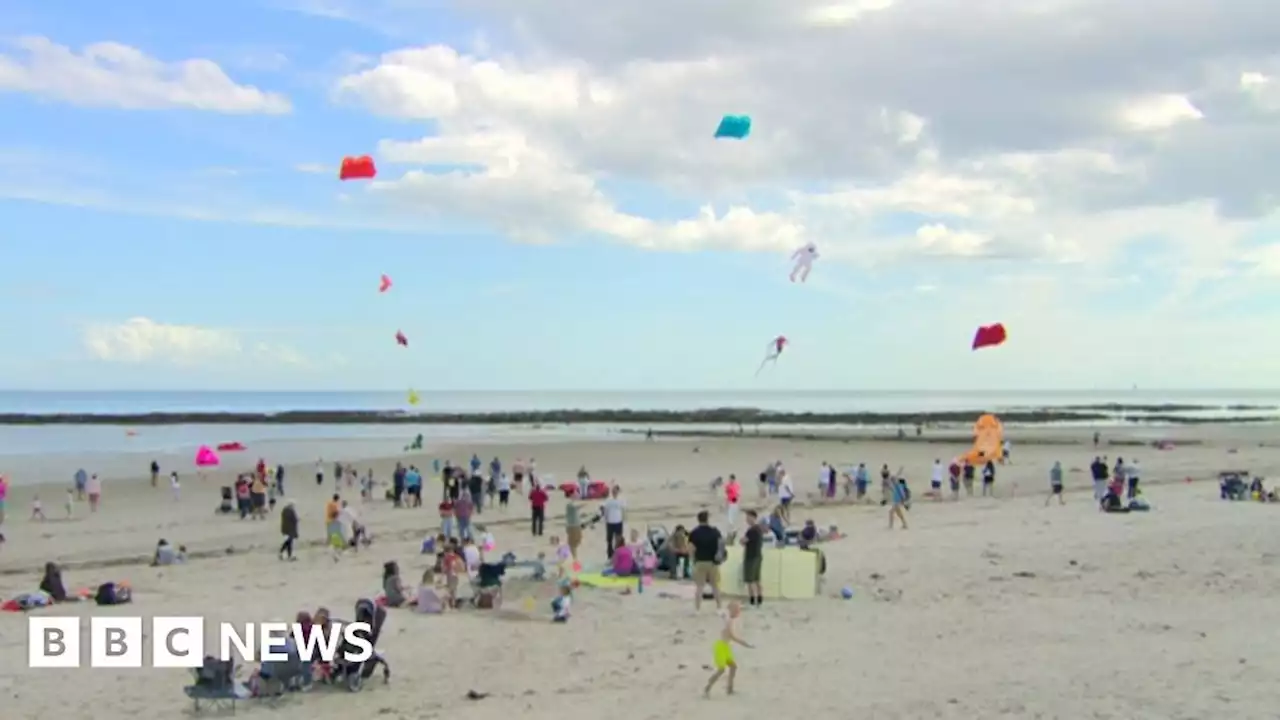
point(67, 447)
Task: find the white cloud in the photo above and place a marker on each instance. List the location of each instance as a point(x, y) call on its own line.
point(109, 74)
point(316, 169)
point(1158, 112)
point(882, 156)
point(142, 340)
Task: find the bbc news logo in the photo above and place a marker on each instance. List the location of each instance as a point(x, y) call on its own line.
point(179, 642)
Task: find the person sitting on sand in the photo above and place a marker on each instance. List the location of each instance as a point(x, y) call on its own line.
point(167, 555)
point(51, 584)
point(675, 554)
point(561, 605)
point(304, 623)
point(428, 600)
point(392, 589)
point(641, 549)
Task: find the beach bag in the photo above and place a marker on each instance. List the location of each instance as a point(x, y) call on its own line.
point(111, 594)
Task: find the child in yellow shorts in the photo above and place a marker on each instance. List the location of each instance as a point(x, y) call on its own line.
point(723, 649)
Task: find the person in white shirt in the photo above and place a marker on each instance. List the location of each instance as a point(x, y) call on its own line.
point(786, 493)
point(37, 509)
point(935, 481)
point(614, 512)
point(175, 487)
point(1006, 452)
point(1131, 472)
point(824, 476)
point(320, 471)
point(504, 489)
point(70, 504)
point(471, 556)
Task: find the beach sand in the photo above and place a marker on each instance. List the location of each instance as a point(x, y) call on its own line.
point(985, 608)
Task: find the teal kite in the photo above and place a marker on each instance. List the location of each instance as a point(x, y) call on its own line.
point(737, 127)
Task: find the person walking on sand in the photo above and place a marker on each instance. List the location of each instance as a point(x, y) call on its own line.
point(82, 481)
point(722, 650)
point(786, 493)
point(94, 489)
point(898, 501)
point(935, 480)
point(175, 487)
point(708, 546)
point(319, 472)
point(288, 528)
point(753, 558)
point(732, 496)
point(538, 506)
point(989, 479)
point(1131, 473)
point(573, 526)
point(155, 473)
point(1055, 484)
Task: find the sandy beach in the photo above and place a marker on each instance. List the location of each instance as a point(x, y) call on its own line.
point(985, 608)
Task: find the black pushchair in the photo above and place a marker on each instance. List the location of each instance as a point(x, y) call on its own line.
point(352, 675)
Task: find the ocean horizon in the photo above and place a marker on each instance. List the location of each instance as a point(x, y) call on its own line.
point(33, 452)
point(480, 401)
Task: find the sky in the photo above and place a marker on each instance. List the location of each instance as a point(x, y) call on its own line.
point(555, 213)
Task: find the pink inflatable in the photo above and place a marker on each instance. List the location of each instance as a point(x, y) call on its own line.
point(206, 457)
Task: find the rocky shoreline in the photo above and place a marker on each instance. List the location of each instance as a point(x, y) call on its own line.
point(1163, 414)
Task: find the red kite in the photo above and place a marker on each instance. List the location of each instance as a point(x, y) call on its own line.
point(776, 346)
point(357, 168)
point(385, 284)
point(401, 339)
point(989, 336)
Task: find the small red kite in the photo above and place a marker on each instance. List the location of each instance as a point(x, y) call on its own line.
point(385, 284)
point(357, 168)
point(989, 336)
point(401, 339)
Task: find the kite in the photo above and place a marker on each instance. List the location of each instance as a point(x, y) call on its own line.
point(989, 336)
point(384, 284)
point(401, 339)
point(357, 168)
point(413, 397)
point(776, 346)
point(736, 127)
point(206, 457)
point(803, 258)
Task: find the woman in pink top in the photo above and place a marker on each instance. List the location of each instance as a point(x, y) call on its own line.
point(94, 489)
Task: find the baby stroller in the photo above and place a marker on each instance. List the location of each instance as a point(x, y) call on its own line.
point(353, 674)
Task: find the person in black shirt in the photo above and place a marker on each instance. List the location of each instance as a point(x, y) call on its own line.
point(476, 485)
point(155, 473)
point(753, 558)
point(707, 547)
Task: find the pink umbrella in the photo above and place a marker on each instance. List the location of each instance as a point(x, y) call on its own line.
point(206, 457)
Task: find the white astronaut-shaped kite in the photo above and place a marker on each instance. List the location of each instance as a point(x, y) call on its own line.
point(803, 258)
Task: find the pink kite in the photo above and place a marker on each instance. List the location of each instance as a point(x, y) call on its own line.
point(385, 284)
point(401, 339)
point(206, 457)
point(776, 346)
